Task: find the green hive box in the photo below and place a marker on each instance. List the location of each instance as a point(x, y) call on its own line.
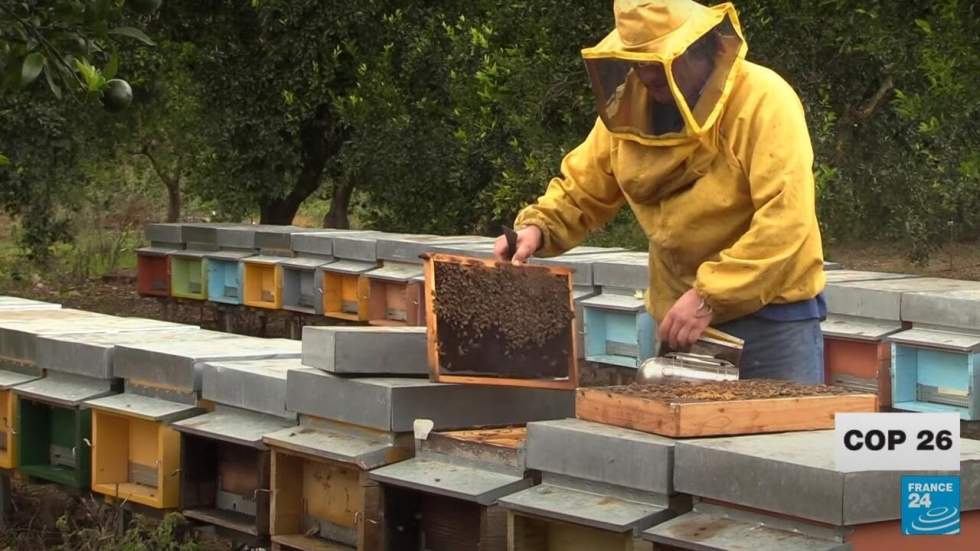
point(189, 275)
point(57, 449)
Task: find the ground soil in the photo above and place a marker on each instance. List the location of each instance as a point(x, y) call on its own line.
point(503, 321)
point(724, 391)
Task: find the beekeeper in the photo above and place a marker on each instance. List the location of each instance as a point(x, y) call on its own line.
point(712, 154)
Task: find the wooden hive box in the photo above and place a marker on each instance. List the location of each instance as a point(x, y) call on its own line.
point(474, 338)
point(262, 282)
point(54, 430)
point(618, 329)
point(153, 271)
point(600, 487)
point(857, 356)
point(301, 289)
point(936, 371)
point(783, 491)
point(225, 480)
point(225, 274)
point(685, 416)
point(445, 498)
point(189, 275)
point(8, 412)
point(135, 453)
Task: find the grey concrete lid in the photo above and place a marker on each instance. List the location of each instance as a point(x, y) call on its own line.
point(90, 354)
point(10, 379)
point(602, 453)
point(21, 304)
point(366, 451)
point(228, 256)
point(245, 428)
point(393, 403)
point(882, 299)
point(360, 246)
point(449, 479)
point(65, 390)
point(611, 301)
point(604, 512)
point(480, 249)
point(707, 532)
point(368, 350)
point(318, 242)
point(629, 270)
point(937, 338)
point(278, 238)
point(164, 232)
point(156, 251)
point(178, 363)
point(580, 262)
point(304, 263)
point(254, 385)
point(409, 248)
point(352, 267)
point(794, 474)
point(863, 329)
point(955, 308)
point(266, 259)
point(396, 272)
point(144, 407)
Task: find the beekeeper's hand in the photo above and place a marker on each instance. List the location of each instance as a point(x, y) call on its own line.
point(528, 241)
point(685, 321)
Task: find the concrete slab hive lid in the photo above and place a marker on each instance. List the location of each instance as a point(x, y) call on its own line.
point(23, 304)
point(351, 350)
point(264, 259)
point(254, 385)
point(610, 301)
point(90, 354)
point(362, 246)
point(205, 233)
point(938, 338)
point(958, 308)
point(178, 364)
point(398, 273)
point(479, 249)
point(195, 254)
point(840, 276)
point(602, 453)
point(18, 339)
point(710, 532)
point(361, 448)
point(580, 263)
point(350, 267)
point(157, 251)
point(144, 407)
point(65, 390)
point(318, 242)
point(245, 428)
point(862, 329)
point(794, 474)
point(831, 266)
point(164, 233)
point(882, 299)
point(588, 508)
point(304, 263)
point(454, 480)
point(228, 256)
point(624, 271)
point(10, 379)
point(392, 404)
point(409, 248)
point(277, 238)
point(241, 237)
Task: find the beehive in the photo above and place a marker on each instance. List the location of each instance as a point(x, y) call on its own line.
point(618, 329)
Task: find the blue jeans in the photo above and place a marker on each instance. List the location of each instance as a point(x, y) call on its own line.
point(790, 350)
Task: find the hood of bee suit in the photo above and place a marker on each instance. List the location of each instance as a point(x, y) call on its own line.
point(662, 76)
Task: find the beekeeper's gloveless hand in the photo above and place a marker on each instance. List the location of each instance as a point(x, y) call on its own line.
point(528, 241)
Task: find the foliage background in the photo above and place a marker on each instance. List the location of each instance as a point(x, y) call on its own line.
point(448, 117)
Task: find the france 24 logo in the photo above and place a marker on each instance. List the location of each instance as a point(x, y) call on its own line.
point(930, 505)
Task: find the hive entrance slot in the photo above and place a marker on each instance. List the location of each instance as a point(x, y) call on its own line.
point(61, 456)
point(617, 348)
point(231, 292)
point(949, 397)
point(143, 475)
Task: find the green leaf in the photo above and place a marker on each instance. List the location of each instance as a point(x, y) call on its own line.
point(133, 32)
point(33, 64)
point(924, 25)
point(111, 68)
point(55, 88)
point(4, 161)
point(94, 80)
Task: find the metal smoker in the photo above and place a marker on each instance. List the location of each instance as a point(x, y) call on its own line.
point(714, 357)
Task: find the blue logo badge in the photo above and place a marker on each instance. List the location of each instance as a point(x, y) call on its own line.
point(930, 505)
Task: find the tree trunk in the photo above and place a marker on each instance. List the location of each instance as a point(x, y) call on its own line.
point(173, 199)
point(321, 140)
point(337, 216)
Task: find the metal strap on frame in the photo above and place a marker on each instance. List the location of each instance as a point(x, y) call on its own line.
point(228, 501)
point(395, 314)
point(327, 530)
point(143, 475)
point(616, 348)
point(854, 382)
point(348, 306)
point(60, 456)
